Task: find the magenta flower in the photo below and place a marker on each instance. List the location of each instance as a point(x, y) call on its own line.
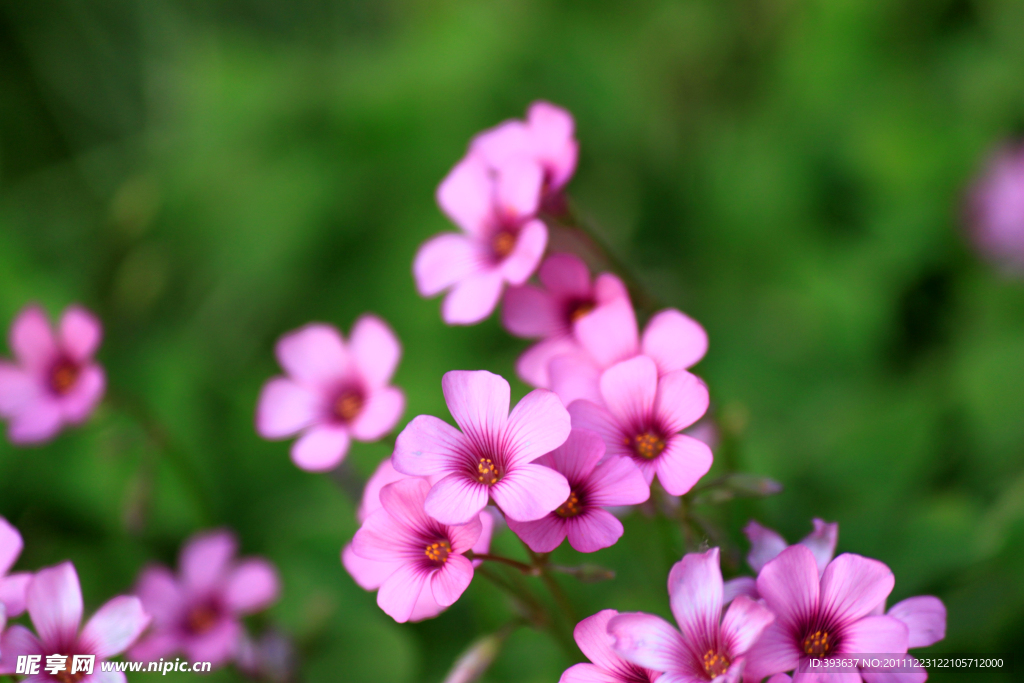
point(826, 615)
point(492, 457)
point(609, 335)
point(12, 586)
point(426, 555)
point(54, 601)
point(551, 313)
point(996, 209)
point(606, 665)
point(643, 418)
point(924, 616)
point(333, 392)
point(593, 486)
point(55, 381)
point(709, 645)
point(198, 611)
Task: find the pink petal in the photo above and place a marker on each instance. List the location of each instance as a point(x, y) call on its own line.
point(741, 585)
point(80, 401)
point(532, 365)
point(160, 594)
point(54, 601)
point(852, 585)
point(451, 580)
point(822, 542)
point(204, 560)
point(575, 377)
point(444, 260)
point(609, 334)
point(12, 592)
point(80, 333)
point(918, 675)
point(375, 349)
point(617, 481)
point(529, 312)
point(32, 340)
point(551, 128)
point(648, 641)
point(17, 389)
point(252, 586)
point(588, 673)
point(566, 276)
point(473, 298)
point(789, 585)
point(314, 355)
point(578, 456)
point(594, 418)
point(497, 145)
point(154, 646)
point(695, 594)
point(479, 401)
point(780, 678)
point(35, 423)
point(102, 677)
point(743, 624)
point(115, 626)
point(517, 192)
point(609, 288)
point(925, 617)
point(683, 462)
point(10, 546)
point(530, 492)
point(18, 640)
point(428, 446)
point(530, 245)
point(404, 501)
point(321, 448)
point(595, 642)
point(682, 400)
point(382, 538)
point(382, 476)
point(285, 408)
point(875, 635)
point(538, 424)
point(399, 593)
point(217, 645)
point(463, 537)
point(765, 545)
point(774, 652)
point(629, 389)
point(465, 194)
point(379, 416)
point(593, 530)
point(675, 341)
point(542, 535)
point(483, 542)
point(368, 574)
point(426, 607)
point(456, 499)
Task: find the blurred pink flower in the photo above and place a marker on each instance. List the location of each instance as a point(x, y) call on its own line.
point(492, 457)
point(12, 586)
point(551, 313)
point(198, 611)
point(55, 380)
point(708, 644)
point(605, 666)
point(819, 615)
point(609, 335)
point(615, 481)
point(54, 601)
point(641, 418)
point(996, 209)
point(333, 392)
point(423, 555)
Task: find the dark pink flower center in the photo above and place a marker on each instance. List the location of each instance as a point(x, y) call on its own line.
point(577, 308)
point(503, 242)
point(572, 506)
point(818, 643)
point(66, 676)
point(715, 663)
point(201, 618)
point(348, 404)
point(646, 445)
point(438, 551)
point(63, 375)
point(487, 472)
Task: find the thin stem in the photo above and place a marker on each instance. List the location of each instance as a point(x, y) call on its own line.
point(529, 570)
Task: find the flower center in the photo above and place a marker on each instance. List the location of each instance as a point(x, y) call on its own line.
point(571, 507)
point(578, 309)
point(503, 243)
point(487, 472)
point(63, 376)
point(66, 676)
point(818, 644)
point(201, 619)
point(715, 663)
point(438, 552)
point(347, 405)
point(647, 445)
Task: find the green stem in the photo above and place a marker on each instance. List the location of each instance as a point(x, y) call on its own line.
point(524, 568)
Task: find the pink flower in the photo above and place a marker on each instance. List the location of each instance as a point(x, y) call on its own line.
point(606, 665)
point(425, 555)
point(581, 517)
point(197, 612)
point(996, 209)
point(643, 418)
point(54, 601)
point(493, 454)
point(823, 615)
point(551, 313)
point(708, 645)
point(12, 586)
point(333, 392)
point(609, 335)
point(55, 380)
point(924, 616)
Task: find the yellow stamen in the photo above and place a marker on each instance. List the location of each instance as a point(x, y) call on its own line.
point(438, 552)
point(648, 445)
point(348, 405)
point(487, 472)
point(503, 243)
point(571, 507)
point(715, 663)
point(63, 376)
point(817, 644)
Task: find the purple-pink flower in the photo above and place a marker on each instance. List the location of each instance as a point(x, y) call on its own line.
point(605, 666)
point(823, 615)
point(198, 610)
point(708, 644)
point(492, 457)
point(12, 586)
point(54, 602)
point(54, 381)
point(427, 558)
point(550, 313)
point(333, 391)
point(996, 209)
point(641, 417)
point(582, 517)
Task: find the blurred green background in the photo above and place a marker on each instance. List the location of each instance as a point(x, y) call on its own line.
point(209, 175)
